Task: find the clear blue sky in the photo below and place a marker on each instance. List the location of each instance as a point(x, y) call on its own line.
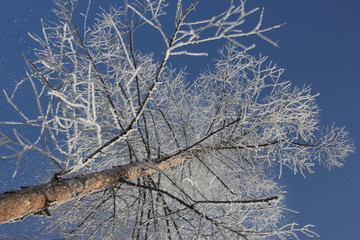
point(319, 46)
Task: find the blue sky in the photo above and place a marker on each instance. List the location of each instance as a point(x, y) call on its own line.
point(319, 45)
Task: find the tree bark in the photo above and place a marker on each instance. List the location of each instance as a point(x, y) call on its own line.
point(15, 205)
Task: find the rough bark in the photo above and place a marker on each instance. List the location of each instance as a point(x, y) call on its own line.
point(15, 205)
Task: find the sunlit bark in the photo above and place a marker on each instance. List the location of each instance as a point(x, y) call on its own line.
point(15, 205)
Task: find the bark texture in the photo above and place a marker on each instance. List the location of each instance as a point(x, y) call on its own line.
point(15, 205)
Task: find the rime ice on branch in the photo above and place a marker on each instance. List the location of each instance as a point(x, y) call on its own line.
point(202, 148)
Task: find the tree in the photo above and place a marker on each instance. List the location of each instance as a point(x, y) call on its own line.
point(143, 151)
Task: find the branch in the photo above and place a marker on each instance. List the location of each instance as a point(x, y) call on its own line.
point(15, 205)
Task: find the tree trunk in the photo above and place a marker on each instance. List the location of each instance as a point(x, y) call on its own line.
point(15, 205)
